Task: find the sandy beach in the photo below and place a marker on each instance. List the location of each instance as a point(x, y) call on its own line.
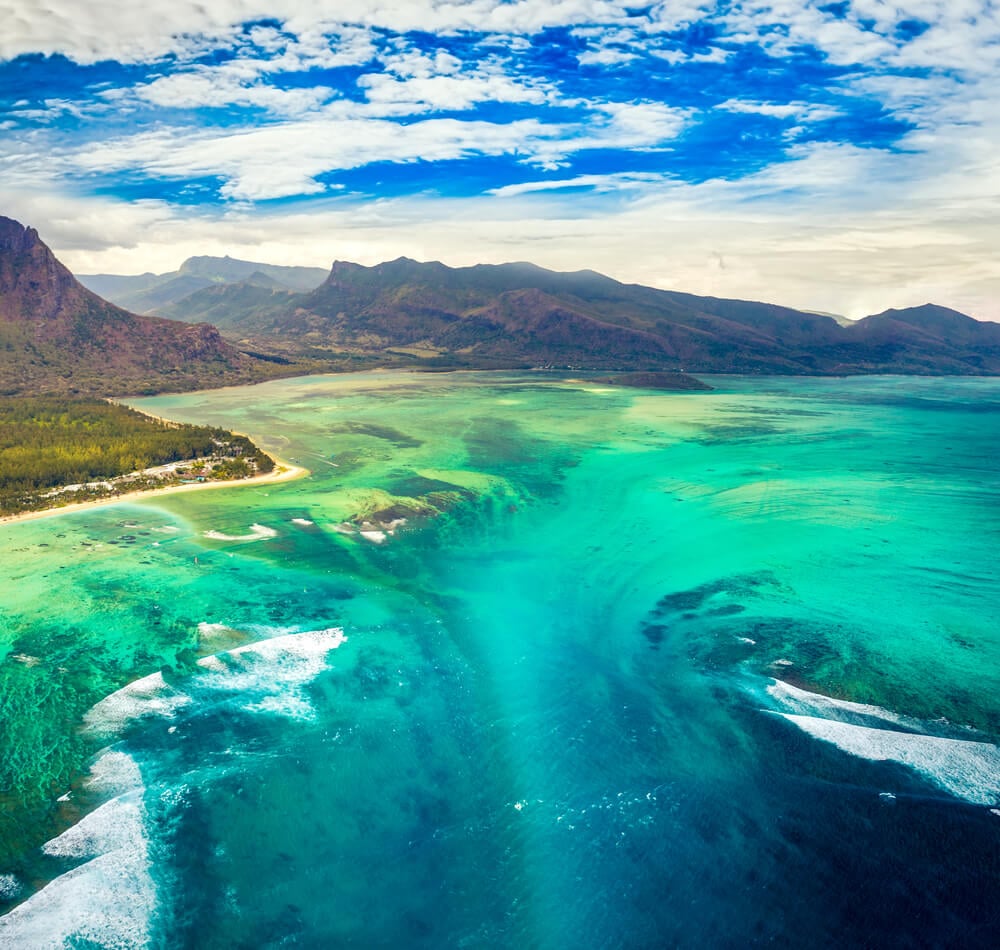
point(283, 472)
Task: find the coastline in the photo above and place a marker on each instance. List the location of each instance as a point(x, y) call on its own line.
point(283, 472)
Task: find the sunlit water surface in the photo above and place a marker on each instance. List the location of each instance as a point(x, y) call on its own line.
point(522, 663)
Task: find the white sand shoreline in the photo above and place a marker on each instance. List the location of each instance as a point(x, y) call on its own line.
point(283, 472)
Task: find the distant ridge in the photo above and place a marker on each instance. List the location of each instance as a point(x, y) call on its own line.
point(152, 293)
point(58, 337)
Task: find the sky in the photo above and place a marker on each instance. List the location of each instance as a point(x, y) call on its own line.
point(834, 156)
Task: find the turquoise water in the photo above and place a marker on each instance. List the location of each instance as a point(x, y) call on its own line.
point(524, 662)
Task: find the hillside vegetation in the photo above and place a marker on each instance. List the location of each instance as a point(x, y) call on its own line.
point(48, 443)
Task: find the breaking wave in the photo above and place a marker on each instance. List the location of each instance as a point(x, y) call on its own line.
point(109, 899)
point(966, 768)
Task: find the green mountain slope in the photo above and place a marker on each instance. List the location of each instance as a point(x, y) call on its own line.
point(233, 306)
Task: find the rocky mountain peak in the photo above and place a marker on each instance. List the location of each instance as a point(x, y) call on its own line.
point(15, 238)
point(33, 284)
point(57, 336)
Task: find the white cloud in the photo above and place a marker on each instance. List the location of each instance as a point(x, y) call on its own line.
point(448, 92)
point(672, 56)
point(960, 34)
point(221, 88)
point(247, 79)
point(782, 25)
point(606, 56)
point(609, 46)
point(156, 28)
point(802, 111)
point(616, 181)
point(869, 34)
point(715, 55)
point(90, 225)
point(672, 15)
point(640, 124)
point(286, 158)
point(409, 63)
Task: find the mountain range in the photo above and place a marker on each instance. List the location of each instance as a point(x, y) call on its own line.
point(523, 315)
point(56, 335)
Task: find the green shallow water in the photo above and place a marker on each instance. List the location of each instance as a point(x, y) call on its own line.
point(554, 721)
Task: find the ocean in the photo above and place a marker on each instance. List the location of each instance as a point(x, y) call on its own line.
point(524, 661)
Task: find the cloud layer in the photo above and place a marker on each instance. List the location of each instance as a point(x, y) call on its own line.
point(834, 155)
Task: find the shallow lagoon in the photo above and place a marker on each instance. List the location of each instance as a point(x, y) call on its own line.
point(582, 699)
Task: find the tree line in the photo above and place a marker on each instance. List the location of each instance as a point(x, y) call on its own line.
point(50, 442)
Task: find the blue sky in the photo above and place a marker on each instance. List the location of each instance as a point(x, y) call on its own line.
point(834, 155)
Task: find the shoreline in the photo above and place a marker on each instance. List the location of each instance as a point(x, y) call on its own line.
point(283, 472)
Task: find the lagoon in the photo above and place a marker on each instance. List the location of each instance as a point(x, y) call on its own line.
point(524, 661)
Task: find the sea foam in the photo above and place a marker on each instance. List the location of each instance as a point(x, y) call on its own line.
point(270, 674)
point(113, 773)
point(10, 887)
point(967, 768)
point(149, 696)
point(108, 901)
point(258, 532)
point(796, 700)
point(109, 828)
point(206, 629)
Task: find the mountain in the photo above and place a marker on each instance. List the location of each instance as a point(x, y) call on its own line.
point(162, 293)
point(56, 336)
point(231, 306)
point(920, 326)
point(155, 293)
point(230, 270)
point(516, 315)
point(523, 315)
point(927, 340)
point(520, 315)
